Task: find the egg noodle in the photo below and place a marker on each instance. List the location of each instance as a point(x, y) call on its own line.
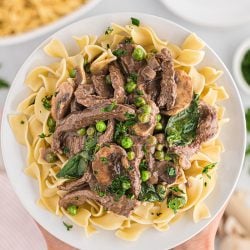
point(31, 121)
point(18, 16)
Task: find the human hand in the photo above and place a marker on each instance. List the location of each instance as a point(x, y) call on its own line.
point(205, 239)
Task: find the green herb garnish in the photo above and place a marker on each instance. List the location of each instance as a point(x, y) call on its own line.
point(108, 31)
point(4, 84)
point(47, 102)
point(171, 171)
point(181, 128)
point(104, 160)
point(51, 123)
point(149, 193)
point(68, 226)
point(128, 40)
point(207, 168)
point(176, 189)
point(109, 107)
point(135, 21)
point(42, 135)
point(120, 52)
point(176, 202)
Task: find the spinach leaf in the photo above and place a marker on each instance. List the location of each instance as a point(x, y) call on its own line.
point(149, 193)
point(78, 164)
point(181, 128)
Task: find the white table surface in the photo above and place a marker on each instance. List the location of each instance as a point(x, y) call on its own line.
point(224, 41)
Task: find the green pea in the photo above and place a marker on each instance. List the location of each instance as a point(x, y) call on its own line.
point(151, 140)
point(72, 210)
point(101, 126)
point(176, 203)
point(131, 155)
point(139, 101)
point(144, 118)
point(145, 175)
point(138, 54)
point(130, 87)
point(51, 157)
point(158, 126)
point(72, 73)
point(90, 131)
point(158, 117)
point(146, 109)
point(159, 147)
point(159, 155)
point(126, 185)
point(126, 142)
point(81, 131)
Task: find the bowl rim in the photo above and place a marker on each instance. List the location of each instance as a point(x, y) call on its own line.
point(142, 15)
point(237, 60)
point(47, 28)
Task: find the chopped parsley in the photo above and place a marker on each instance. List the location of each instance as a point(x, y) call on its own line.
point(104, 160)
point(68, 226)
point(4, 84)
point(133, 78)
point(128, 40)
point(87, 68)
point(135, 21)
point(42, 135)
point(207, 168)
point(176, 189)
point(176, 202)
point(51, 123)
point(108, 31)
point(66, 150)
point(47, 102)
point(109, 107)
point(119, 52)
point(171, 171)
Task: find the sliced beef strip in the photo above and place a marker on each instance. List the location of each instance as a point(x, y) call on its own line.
point(75, 106)
point(118, 82)
point(153, 89)
point(83, 96)
point(123, 206)
point(102, 88)
point(87, 117)
point(149, 151)
point(146, 129)
point(110, 162)
point(107, 137)
point(206, 130)
point(80, 76)
point(147, 73)
point(60, 103)
point(184, 93)
point(134, 172)
point(73, 142)
point(167, 94)
point(76, 184)
point(153, 63)
point(127, 62)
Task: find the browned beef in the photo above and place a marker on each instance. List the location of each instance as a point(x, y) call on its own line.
point(73, 142)
point(207, 128)
point(130, 65)
point(184, 93)
point(134, 172)
point(107, 137)
point(60, 103)
point(149, 151)
point(76, 184)
point(80, 76)
point(123, 206)
point(87, 117)
point(147, 73)
point(153, 89)
point(75, 106)
point(102, 88)
point(153, 63)
point(167, 94)
point(89, 100)
point(146, 129)
point(118, 82)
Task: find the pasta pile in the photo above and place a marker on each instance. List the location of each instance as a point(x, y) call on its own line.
point(31, 121)
point(18, 16)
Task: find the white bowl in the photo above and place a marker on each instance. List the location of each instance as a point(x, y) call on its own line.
point(238, 57)
point(39, 31)
point(233, 135)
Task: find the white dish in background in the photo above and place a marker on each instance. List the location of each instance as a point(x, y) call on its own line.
point(184, 229)
point(215, 13)
point(39, 31)
point(238, 57)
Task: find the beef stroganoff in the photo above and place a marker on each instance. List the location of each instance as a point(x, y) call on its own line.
point(123, 135)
